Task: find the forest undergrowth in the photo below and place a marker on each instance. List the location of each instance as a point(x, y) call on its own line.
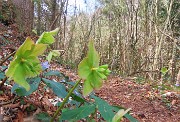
point(149, 102)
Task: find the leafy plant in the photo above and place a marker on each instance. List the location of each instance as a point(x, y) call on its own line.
point(90, 70)
point(21, 91)
point(52, 53)
point(47, 37)
point(58, 88)
point(164, 74)
point(90, 109)
point(25, 68)
point(164, 70)
point(26, 63)
point(78, 113)
point(140, 80)
point(43, 117)
point(119, 115)
point(2, 75)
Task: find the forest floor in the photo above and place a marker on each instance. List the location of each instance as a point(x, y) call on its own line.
point(146, 102)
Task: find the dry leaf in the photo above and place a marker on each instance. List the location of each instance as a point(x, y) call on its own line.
point(20, 116)
point(173, 102)
point(12, 105)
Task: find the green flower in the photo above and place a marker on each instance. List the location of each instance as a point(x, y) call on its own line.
point(91, 72)
point(47, 37)
point(26, 63)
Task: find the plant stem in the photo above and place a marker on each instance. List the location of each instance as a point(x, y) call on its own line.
point(1, 63)
point(64, 101)
point(7, 58)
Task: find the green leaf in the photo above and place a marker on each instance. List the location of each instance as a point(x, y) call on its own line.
point(47, 37)
point(127, 115)
point(77, 98)
point(78, 113)
point(19, 76)
point(95, 80)
point(20, 91)
point(38, 49)
point(87, 88)
point(52, 53)
point(93, 56)
point(43, 117)
point(107, 111)
point(2, 75)
point(4, 67)
point(26, 63)
point(83, 69)
point(130, 118)
point(164, 70)
point(55, 53)
point(58, 88)
point(34, 31)
point(54, 32)
point(119, 115)
point(49, 57)
point(104, 108)
point(24, 47)
point(51, 73)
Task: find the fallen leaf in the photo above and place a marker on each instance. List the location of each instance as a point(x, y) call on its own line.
point(3, 98)
point(20, 116)
point(173, 102)
point(46, 102)
point(12, 105)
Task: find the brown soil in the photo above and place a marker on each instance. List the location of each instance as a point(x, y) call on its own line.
point(146, 103)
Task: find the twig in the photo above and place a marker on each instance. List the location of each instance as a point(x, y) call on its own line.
point(5, 103)
point(12, 101)
point(7, 58)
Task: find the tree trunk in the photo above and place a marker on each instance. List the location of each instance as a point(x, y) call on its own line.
point(53, 14)
point(39, 17)
point(25, 14)
point(178, 79)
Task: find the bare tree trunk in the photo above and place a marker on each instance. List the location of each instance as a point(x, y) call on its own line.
point(25, 12)
point(53, 16)
point(56, 45)
point(39, 17)
point(65, 14)
point(178, 79)
point(156, 38)
point(159, 46)
point(1, 5)
point(173, 65)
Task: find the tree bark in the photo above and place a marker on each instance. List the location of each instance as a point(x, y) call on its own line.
point(25, 14)
point(53, 14)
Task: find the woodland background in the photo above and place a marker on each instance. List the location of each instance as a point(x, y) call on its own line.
point(138, 39)
point(135, 37)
